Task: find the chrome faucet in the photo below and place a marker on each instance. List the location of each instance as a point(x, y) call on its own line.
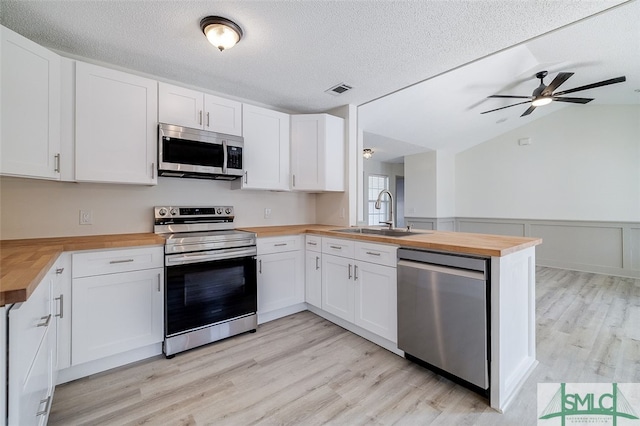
point(378, 205)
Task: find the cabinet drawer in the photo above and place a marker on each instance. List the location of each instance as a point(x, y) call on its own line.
point(313, 242)
point(338, 247)
point(379, 254)
point(86, 264)
point(279, 244)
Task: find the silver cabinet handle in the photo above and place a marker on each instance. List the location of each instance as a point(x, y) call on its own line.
point(56, 167)
point(200, 117)
point(336, 247)
point(373, 253)
point(246, 176)
point(59, 271)
point(294, 181)
point(61, 299)
point(159, 282)
point(121, 261)
point(207, 119)
point(47, 402)
point(355, 273)
point(312, 243)
point(260, 266)
point(317, 264)
point(46, 319)
point(153, 170)
point(350, 271)
point(280, 244)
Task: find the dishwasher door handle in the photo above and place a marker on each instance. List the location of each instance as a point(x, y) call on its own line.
point(442, 269)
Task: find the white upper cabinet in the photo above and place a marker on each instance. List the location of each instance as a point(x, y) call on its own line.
point(197, 110)
point(30, 119)
point(317, 152)
point(116, 126)
point(266, 149)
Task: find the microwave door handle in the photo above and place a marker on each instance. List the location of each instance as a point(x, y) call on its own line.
point(225, 157)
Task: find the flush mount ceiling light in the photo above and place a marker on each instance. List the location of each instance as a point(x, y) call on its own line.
point(367, 153)
point(221, 32)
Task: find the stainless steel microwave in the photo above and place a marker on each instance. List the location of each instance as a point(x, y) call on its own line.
point(193, 153)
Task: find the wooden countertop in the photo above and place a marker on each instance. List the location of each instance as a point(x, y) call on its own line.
point(455, 242)
point(23, 263)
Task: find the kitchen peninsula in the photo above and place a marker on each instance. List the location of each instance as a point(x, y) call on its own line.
point(512, 282)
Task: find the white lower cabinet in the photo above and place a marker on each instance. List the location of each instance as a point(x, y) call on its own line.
point(337, 286)
point(31, 356)
point(359, 284)
point(376, 299)
point(280, 274)
point(117, 310)
point(313, 270)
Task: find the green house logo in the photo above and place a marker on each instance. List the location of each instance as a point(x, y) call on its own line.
point(588, 403)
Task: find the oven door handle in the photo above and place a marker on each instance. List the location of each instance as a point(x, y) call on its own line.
point(184, 258)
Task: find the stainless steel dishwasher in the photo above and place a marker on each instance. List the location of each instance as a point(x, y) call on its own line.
point(443, 314)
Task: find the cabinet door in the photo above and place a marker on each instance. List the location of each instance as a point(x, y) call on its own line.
point(317, 152)
point(180, 106)
point(313, 278)
point(222, 115)
point(115, 313)
point(116, 126)
point(337, 286)
point(31, 357)
point(307, 150)
point(280, 280)
point(266, 148)
point(376, 299)
point(30, 119)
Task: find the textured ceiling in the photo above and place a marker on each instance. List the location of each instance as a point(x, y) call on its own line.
point(292, 50)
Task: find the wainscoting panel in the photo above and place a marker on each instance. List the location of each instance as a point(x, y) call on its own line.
point(633, 243)
point(432, 223)
point(599, 246)
point(602, 247)
point(486, 227)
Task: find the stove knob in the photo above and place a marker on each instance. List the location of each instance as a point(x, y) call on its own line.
point(174, 212)
point(162, 211)
point(219, 210)
point(228, 211)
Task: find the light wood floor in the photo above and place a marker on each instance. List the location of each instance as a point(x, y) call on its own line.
point(304, 370)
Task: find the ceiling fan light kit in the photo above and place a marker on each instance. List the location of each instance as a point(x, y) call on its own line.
point(544, 95)
point(221, 32)
point(367, 153)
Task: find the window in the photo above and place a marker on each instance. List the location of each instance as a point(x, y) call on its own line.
point(378, 183)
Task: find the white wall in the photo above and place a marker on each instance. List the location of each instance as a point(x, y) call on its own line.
point(420, 189)
point(34, 208)
point(445, 184)
point(583, 164)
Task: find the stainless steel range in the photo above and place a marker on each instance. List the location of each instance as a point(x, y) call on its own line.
point(210, 272)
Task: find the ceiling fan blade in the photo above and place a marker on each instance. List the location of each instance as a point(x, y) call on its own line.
point(560, 78)
point(528, 111)
point(573, 100)
point(508, 106)
point(593, 85)
point(510, 97)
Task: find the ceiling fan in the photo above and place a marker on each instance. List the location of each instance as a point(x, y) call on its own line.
point(544, 94)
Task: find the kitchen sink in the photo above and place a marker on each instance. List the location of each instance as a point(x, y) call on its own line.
point(383, 232)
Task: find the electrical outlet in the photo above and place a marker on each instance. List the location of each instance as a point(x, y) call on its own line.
point(86, 217)
point(267, 213)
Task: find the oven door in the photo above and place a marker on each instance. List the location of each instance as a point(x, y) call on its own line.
point(200, 292)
